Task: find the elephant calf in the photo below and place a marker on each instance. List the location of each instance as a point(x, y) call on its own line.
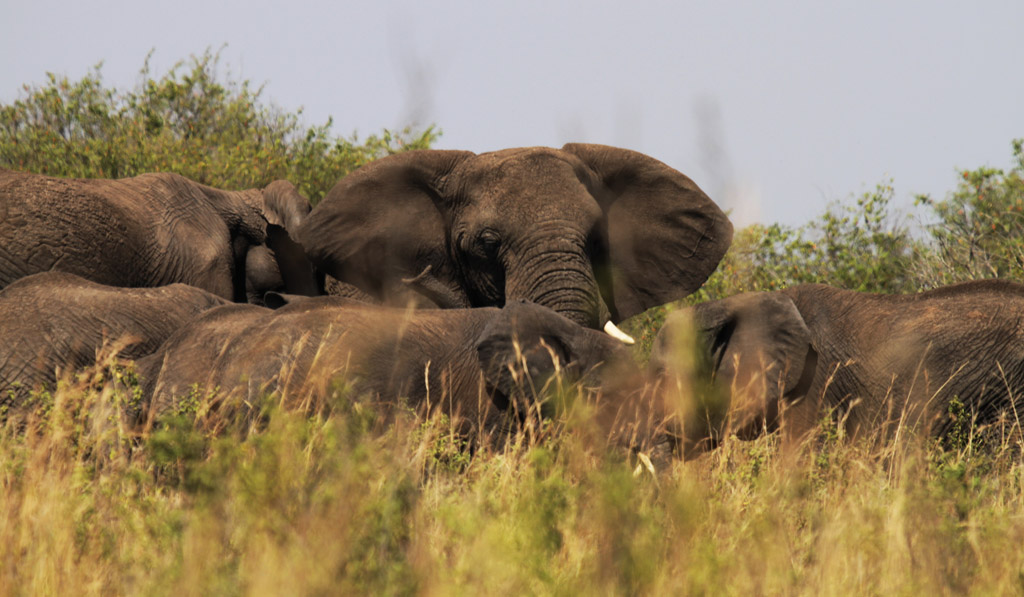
point(476, 365)
point(881, 362)
point(55, 323)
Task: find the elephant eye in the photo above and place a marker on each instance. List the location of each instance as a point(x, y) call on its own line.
point(488, 241)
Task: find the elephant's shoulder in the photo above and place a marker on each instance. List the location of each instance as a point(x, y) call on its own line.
point(12, 179)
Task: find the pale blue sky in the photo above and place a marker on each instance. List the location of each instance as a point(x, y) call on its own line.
point(774, 108)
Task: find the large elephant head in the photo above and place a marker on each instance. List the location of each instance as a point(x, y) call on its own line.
point(735, 364)
point(595, 233)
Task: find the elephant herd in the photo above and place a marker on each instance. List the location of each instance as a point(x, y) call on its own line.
point(473, 284)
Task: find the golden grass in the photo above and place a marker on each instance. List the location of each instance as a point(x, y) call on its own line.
point(325, 500)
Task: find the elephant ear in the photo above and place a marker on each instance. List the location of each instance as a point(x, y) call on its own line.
point(522, 348)
point(384, 228)
point(284, 205)
point(664, 234)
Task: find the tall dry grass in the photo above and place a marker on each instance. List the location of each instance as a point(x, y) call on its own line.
point(328, 500)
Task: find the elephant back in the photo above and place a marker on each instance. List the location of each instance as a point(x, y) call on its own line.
point(55, 323)
point(68, 225)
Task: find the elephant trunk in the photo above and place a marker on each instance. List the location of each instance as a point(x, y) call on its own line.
point(561, 279)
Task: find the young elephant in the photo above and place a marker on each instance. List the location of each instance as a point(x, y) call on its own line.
point(55, 323)
point(476, 365)
point(882, 363)
point(153, 230)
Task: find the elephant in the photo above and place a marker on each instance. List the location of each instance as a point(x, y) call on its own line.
point(596, 233)
point(882, 365)
point(485, 368)
point(55, 323)
point(153, 230)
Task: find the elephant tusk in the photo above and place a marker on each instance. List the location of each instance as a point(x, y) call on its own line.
point(419, 277)
point(618, 334)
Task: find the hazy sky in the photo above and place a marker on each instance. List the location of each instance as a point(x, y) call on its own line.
point(774, 108)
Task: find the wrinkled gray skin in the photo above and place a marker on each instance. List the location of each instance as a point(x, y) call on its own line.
point(590, 231)
point(460, 361)
point(55, 320)
point(880, 363)
point(333, 287)
point(153, 230)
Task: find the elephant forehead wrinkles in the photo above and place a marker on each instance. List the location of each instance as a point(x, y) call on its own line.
point(556, 230)
point(547, 179)
point(546, 241)
point(553, 210)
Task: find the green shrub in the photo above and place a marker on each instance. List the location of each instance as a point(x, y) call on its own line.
point(863, 247)
point(978, 230)
point(974, 233)
point(192, 120)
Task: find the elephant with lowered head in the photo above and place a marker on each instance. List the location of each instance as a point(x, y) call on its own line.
point(486, 368)
point(153, 230)
point(595, 233)
point(880, 363)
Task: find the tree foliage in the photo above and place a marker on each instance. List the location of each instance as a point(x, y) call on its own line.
point(975, 232)
point(862, 246)
point(979, 228)
point(191, 120)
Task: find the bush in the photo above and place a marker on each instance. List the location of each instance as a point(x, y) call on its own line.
point(979, 227)
point(974, 233)
point(192, 121)
point(861, 247)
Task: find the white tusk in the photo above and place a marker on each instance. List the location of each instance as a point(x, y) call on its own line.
point(618, 334)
